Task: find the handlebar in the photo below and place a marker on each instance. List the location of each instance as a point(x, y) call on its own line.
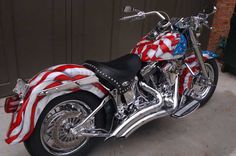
point(194, 21)
point(141, 15)
point(138, 16)
point(157, 13)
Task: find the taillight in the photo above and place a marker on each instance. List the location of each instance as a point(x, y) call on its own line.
point(12, 103)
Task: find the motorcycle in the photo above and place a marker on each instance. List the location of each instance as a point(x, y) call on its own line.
point(66, 109)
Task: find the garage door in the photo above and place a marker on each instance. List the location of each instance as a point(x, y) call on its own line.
point(41, 33)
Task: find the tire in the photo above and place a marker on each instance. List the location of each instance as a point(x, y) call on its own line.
point(213, 64)
point(35, 145)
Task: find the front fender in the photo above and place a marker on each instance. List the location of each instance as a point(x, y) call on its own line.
point(25, 119)
point(209, 55)
point(185, 75)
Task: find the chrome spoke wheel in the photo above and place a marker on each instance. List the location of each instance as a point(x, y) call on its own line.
point(202, 90)
point(55, 133)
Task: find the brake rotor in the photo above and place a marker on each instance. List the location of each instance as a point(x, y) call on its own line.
point(61, 134)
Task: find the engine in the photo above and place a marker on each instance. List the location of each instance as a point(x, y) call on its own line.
point(156, 85)
point(161, 77)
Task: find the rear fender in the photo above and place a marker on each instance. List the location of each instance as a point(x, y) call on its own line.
point(44, 87)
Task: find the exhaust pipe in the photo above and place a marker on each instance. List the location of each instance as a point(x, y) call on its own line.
point(152, 91)
point(143, 121)
point(147, 114)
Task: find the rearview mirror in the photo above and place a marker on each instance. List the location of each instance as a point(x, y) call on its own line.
point(215, 9)
point(210, 10)
point(128, 9)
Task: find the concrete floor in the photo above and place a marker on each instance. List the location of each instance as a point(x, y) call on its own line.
point(211, 131)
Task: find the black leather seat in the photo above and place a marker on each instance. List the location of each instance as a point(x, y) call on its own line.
point(118, 73)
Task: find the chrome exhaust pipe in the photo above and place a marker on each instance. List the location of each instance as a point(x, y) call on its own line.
point(143, 121)
point(147, 114)
point(152, 91)
point(175, 97)
point(130, 122)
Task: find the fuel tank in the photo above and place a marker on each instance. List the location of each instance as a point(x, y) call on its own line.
point(165, 46)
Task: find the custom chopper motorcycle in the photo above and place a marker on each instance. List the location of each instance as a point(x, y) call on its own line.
point(65, 109)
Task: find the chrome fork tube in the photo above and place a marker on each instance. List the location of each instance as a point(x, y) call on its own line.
point(175, 97)
point(198, 52)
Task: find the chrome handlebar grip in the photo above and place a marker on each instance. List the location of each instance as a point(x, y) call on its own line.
point(129, 17)
point(140, 15)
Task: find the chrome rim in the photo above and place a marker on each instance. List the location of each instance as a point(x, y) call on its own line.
point(55, 134)
point(202, 90)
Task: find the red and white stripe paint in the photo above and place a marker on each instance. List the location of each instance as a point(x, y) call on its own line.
point(185, 76)
point(24, 121)
point(157, 50)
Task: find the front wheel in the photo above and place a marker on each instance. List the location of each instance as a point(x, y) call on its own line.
point(52, 135)
point(205, 92)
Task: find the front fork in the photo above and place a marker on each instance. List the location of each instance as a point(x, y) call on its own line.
point(197, 52)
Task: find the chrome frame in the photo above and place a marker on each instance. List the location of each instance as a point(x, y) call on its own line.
point(104, 101)
point(189, 68)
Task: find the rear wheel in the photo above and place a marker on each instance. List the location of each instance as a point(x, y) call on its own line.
point(52, 135)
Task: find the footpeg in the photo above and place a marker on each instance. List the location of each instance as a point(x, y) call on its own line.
point(187, 109)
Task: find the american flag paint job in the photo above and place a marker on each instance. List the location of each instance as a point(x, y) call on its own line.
point(24, 120)
point(185, 76)
point(162, 48)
